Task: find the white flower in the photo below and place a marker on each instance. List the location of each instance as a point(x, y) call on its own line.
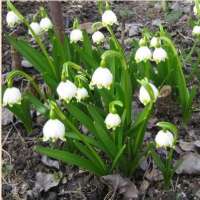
point(81, 93)
point(98, 37)
point(196, 31)
point(155, 42)
point(112, 121)
point(26, 63)
point(159, 55)
point(53, 129)
point(46, 24)
point(76, 35)
point(102, 77)
point(36, 28)
point(109, 18)
point(164, 139)
point(143, 54)
point(144, 95)
point(12, 19)
point(12, 96)
point(66, 90)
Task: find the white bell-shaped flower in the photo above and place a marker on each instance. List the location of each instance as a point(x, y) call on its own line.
point(109, 18)
point(112, 121)
point(46, 24)
point(12, 19)
point(102, 78)
point(155, 42)
point(159, 55)
point(36, 28)
point(76, 35)
point(26, 63)
point(144, 95)
point(66, 90)
point(98, 37)
point(164, 139)
point(12, 96)
point(143, 54)
point(81, 94)
point(196, 31)
point(53, 129)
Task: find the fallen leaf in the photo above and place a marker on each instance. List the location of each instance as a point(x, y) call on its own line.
point(123, 185)
point(46, 181)
point(144, 186)
point(186, 146)
point(49, 162)
point(190, 164)
point(7, 116)
point(154, 175)
point(165, 91)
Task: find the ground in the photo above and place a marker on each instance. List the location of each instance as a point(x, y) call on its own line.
point(22, 167)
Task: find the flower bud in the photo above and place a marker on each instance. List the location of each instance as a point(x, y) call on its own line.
point(196, 31)
point(53, 129)
point(144, 95)
point(12, 96)
point(36, 28)
point(143, 54)
point(46, 24)
point(12, 19)
point(112, 121)
point(159, 55)
point(81, 94)
point(98, 37)
point(109, 18)
point(164, 139)
point(102, 78)
point(155, 42)
point(66, 90)
point(76, 35)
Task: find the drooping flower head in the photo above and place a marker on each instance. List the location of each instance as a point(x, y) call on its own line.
point(98, 37)
point(66, 90)
point(109, 18)
point(12, 19)
point(46, 24)
point(164, 138)
point(159, 55)
point(12, 96)
point(112, 121)
point(143, 54)
point(81, 94)
point(53, 129)
point(144, 95)
point(36, 29)
point(76, 35)
point(102, 78)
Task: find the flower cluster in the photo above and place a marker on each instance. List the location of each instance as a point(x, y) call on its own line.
point(143, 54)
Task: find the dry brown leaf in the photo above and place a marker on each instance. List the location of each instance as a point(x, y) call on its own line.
point(123, 185)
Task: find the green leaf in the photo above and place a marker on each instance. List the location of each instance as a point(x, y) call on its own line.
point(158, 161)
point(97, 161)
point(37, 104)
point(117, 157)
point(36, 58)
point(103, 136)
point(22, 112)
point(69, 158)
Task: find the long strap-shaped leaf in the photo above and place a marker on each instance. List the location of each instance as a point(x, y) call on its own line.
point(77, 132)
point(103, 136)
point(69, 158)
point(36, 59)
